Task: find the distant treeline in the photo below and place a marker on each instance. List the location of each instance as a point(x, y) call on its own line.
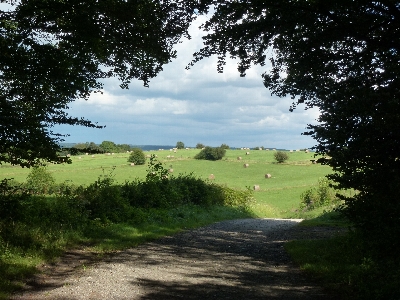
point(111, 147)
point(106, 147)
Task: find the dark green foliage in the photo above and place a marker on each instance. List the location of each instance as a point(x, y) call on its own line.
point(123, 147)
point(45, 224)
point(106, 201)
point(163, 190)
point(137, 157)
point(39, 180)
point(322, 195)
point(54, 52)
point(156, 171)
point(343, 58)
point(12, 196)
point(200, 146)
point(224, 146)
point(104, 147)
point(108, 147)
point(82, 147)
point(340, 264)
point(281, 156)
point(211, 153)
point(180, 145)
point(103, 201)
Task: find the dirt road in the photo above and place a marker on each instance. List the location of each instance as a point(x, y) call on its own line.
point(239, 259)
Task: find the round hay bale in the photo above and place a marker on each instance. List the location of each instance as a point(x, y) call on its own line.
point(245, 165)
point(268, 176)
point(132, 164)
point(256, 187)
point(171, 170)
point(239, 158)
point(211, 177)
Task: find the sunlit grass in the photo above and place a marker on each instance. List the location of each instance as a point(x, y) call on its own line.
point(39, 245)
point(278, 197)
point(281, 192)
point(159, 223)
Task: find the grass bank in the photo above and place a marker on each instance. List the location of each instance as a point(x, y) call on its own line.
point(107, 204)
point(277, 196)
point(35, 245)
point(343, 265)
point(104, 216)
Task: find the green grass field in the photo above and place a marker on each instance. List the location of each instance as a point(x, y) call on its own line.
point(278, 196)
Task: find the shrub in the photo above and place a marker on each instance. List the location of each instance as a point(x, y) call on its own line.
point(39, 180)
point(200, 146)
point(321, 195)
point(137, 157)
point(224, 146)
point(180, 145)
point(104, 201)
point(11, 199)
point(280, 156)
point(155, 170)
point(163, 190)
point(210, 153)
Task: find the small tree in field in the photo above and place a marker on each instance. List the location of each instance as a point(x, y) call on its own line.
point(39, 180)
point(137, 157)
point(180, 145)
point(210, 153)
point(200, 146)
point(280, 156)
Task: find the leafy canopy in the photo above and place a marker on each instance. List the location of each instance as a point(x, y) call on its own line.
point(342, 57)
point(54, 52)
point(180, 145)
point(281, 156)
point(137, 157)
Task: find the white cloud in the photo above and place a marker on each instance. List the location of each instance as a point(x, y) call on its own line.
point(196, 105)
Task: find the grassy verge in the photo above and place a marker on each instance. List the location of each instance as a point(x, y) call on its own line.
point(35, 246)
point(343, 265)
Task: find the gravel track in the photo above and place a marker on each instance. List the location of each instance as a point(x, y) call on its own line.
point(239, 259)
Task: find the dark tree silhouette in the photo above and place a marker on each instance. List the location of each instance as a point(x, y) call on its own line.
point(54, 52)
point(342, 57)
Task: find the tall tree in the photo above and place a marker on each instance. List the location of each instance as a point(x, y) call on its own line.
point(53, 52)
point(344, 58)
point(108, 146)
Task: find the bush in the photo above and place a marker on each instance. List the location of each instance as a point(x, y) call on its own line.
point(12, 197)
point(104, 201)
point(39, 180)
point(322, 195)
point(137, 157)
point(180, 145)
point(200, 146)
point(281, 156)
point(210, 153)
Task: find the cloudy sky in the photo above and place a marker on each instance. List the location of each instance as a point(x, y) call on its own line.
point(194, 106)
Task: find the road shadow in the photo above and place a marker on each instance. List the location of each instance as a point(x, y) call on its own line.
point(240, 259)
